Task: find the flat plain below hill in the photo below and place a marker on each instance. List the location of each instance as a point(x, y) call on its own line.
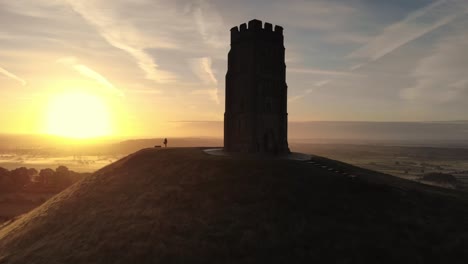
point(184, 206)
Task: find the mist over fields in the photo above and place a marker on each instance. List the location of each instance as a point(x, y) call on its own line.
point(443, 134)
point(450, 133)
point(365, 144)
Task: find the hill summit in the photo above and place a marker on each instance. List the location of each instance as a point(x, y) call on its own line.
point(184, 206)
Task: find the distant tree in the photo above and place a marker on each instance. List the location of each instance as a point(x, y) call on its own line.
point(62, 170)
point(32, 172)
point(6, 183)
point(47, 177)
point(20, 177)
point(4, 172)
point(63, 176)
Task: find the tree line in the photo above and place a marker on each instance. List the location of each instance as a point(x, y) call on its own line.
point(30, 179)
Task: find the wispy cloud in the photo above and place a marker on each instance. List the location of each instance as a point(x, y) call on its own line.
point(347, 37)
point(209, 24)
point(413, 26)
point(308, 91)
point(336, 51)
point(317, 14)
point(322, 83)
point(89, 73)
point(125, 37)
point(12, 76)
point(168, 26)
point(202, 68)
point(441, 77)
point(356, 66)
point(322, 72)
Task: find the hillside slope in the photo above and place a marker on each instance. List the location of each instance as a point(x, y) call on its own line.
point(184, 206)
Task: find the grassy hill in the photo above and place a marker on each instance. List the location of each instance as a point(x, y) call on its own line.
point(184, 206)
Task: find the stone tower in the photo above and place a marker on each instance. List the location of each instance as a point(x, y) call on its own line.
point(256, 118)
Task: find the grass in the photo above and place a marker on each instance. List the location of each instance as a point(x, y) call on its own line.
point(15, 204)
point(183, 206)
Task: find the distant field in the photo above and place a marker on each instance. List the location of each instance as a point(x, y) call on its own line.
point(403, 161)
point(40, 153)
point(87, 163)
point(407, 161)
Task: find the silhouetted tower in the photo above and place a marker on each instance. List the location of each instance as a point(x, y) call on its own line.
point(256, 118)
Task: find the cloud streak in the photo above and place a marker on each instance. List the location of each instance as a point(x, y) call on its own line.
point(170, 24)
point(414, 26)
point(322, 72)
point(209, 24)
point(125, 37)
point(202, 68)
point(308, 91)
point(89, 73)
point(171, 53)
point(441, 76)
point(12, 76)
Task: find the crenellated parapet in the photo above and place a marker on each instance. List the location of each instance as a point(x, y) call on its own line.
point(256, 28)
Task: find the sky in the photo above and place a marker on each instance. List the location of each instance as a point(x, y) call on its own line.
point(148, 67)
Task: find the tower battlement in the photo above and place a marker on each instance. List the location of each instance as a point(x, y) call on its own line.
point(256, 28)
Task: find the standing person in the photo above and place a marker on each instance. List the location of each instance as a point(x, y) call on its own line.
point(165, 142)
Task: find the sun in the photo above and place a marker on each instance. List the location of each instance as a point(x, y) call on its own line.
point(77, 115)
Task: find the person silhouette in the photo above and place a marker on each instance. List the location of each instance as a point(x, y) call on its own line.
point(165, 142)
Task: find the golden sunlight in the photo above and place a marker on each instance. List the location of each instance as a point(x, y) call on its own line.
point(77, 115)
